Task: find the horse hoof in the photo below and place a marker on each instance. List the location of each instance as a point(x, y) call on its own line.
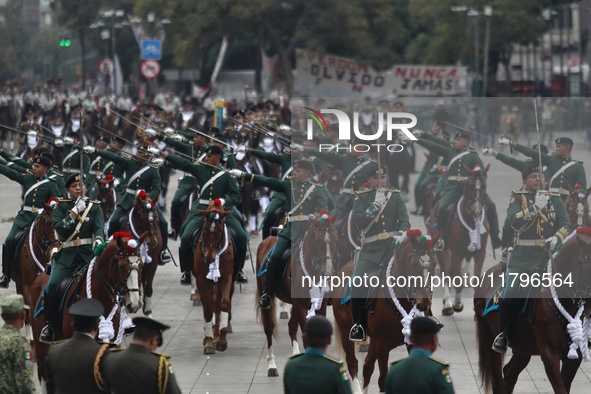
point(197, 302)
point(208, 350)
point(363, 348)
point(272, 372)
point(458, 307)
point(229, 329)
point(148, 314)
point(447, 311)
point(220, 347)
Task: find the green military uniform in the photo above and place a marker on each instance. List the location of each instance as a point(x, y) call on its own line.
point(16, 362)
point(137, 370)
point(21, 165)
point(71, 162)
point(564, 173)
point(354, 170)
point(69, 367)
point(99, 166)
point(438, 169)
point(187, 182)
point(214, 183)
point(139, 176)
point(278, 198)
point(306, 198)
point(77, 237)
point(315, 372)
point(37, 191)
point(454, 178)
point(419, 373)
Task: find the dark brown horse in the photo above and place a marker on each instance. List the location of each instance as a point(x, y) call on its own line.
point(143, 219)
point(393, 307)
point(542, 329)
point(468, 234)
point(312, 260)
point(113, 278)
point(577, 208)
point(213, 268)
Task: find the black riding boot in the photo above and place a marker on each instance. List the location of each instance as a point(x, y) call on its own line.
point(506, 311)
point(357, 332)
point(272, 276)
point(185, 262)
point(6, 266)
point(164, 255)
point(46, 335)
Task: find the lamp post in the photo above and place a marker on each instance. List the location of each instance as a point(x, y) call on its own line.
point(488, 11)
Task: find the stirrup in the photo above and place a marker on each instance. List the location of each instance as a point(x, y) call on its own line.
point(500, 344)
point(357, 334)
point(265, 301)
point(439, 246)
point(46, 335)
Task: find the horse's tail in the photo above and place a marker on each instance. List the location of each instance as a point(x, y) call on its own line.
point(488, 359)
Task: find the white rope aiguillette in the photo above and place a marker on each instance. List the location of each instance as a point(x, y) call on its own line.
point(473, 233)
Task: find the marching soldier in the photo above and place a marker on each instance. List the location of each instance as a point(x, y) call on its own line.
point(306, 198)
point(380, 214)
point(70, 364)
point(314, 371)
point(139, 369)
point(16, 359)
point(39, 188)
point(141, 175)
point(214, 184)
point(420, 372)
point(564, 172)
point(537, 218)
point(80, 225)
point(460, 156)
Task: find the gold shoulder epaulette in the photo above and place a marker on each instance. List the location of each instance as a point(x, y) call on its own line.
point(56, 172)
point(61, 199)
point(154, 165)
point(29, 172)
point(95, 201)
point(438, 360)
point(398, 360)
point(126, 155)
point(361, 191)
point(296, 355)
point(394, 190)
point(115, 350)
point(520, 192)
point(332, 358)
point(161, 355)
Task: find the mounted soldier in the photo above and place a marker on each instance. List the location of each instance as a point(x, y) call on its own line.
point(99, 167)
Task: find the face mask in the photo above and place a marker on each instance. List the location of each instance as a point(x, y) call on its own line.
point(32, 141)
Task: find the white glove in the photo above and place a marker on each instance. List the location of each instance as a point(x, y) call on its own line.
point(380, 198)
point(241, 148)
point(236, 173)
point(417, 133)
point(542, 199)
point(376, 205)
point(178, 137)
point(151, 132)
point(487, 151)
point(504, 140)
point(68, 140)
point(80, 206)
point(168, 130)
point(153, 150)
point(158, 161)
point(116, 182)
point(96, 243)
point(89, 149)
point(553, 241)
point(59, 142)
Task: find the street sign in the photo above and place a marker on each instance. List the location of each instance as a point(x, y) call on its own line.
point(150, 69)
point(151, 50)
point(106, 66)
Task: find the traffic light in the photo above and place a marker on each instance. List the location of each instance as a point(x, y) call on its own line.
point(65, 41)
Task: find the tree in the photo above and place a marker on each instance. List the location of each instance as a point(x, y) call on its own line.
point(14, 40)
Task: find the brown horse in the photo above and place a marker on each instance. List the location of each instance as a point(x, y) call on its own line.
point(468, 234)
point(312, 260)
point(349, 240)
point(143, 219)
point(542, 329)
point(213, 268)
point(393, 307)
point(577, 208)
point(107, 196)
point(38, 246)
point(113, 278)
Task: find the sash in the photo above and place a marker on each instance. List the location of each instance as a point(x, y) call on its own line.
point(355, 171)
point(212, 180)
point(457, 157)
point(306, 195)
point(81, 220)
point(561, 170)
point(137, 174)
point(34, 187)
point(70, 155)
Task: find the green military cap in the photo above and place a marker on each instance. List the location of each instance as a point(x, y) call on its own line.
point(13, 303)
point(73, 178)
point(564, 141)
point(87, 307)
point(44, 161)
point(543, 148)
point(118, 140)
point(151, 325)
point(530, 169)
point(423, 325)
point(463, 134)
point(214, 150)
point(373, 170)
point(49, 156)
point(305, 165)
point(319, 327)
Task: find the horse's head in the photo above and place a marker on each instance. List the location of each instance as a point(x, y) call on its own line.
point(45, 217)
point(573, 263)
point(213, 232)
point(324, 242)
point(475, 189)
point(416, 262)
point(145, 217)
point(577, 205)
point(124, 272)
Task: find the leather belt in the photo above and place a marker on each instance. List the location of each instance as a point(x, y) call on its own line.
point(457, 178)
point(348, 191)
point(72, 170)
point(131, 191)
point(559, 190)
point(77, 242)
point(205, 202)
point(379, 237)
point(531, 242)
point(31, 209)
point(297, 218)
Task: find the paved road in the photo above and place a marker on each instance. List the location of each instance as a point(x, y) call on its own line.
point(242, 368)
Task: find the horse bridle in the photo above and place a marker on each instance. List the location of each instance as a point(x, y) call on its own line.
point(212, 227)
point(120, 287)
point(578, 294)
point(479, 197)
point(147, 214)
point(318, 259)
point(409, 292)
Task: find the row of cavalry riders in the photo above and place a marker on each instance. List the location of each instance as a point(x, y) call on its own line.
point(372, 239)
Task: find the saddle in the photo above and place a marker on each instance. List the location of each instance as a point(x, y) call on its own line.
point(14, 246)
point(284, 261)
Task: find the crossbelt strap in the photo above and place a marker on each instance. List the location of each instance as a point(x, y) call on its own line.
point(561, 170)
point(76, 242)
point(36, 185)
